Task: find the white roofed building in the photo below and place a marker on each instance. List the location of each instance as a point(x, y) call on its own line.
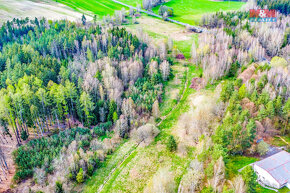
point(274, 171)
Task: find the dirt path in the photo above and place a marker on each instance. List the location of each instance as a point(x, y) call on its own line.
point(185, 87)
point(118, 166)
point(137, 145)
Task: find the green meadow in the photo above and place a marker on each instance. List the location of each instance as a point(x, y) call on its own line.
point(191, 11)
point(98, 7)
point(188, 11)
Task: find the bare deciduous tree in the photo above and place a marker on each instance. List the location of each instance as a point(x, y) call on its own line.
point(165, 69)
point(145, 134)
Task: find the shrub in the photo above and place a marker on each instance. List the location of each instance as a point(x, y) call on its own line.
point(163, 9)
point(101, 129)
point(24, 135)
point(262, 148)
point(171, 144)
point(145, 134)
point(58, 187)
point(249, 178)
point(80, 176)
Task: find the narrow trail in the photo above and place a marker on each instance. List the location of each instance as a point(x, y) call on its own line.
point(185, 87)
point(193, 28)
point(118, 166)
point(137, 145)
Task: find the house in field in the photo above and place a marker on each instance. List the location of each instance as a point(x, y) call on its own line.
point(274, 171)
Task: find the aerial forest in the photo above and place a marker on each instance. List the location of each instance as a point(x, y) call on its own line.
point(63, 76)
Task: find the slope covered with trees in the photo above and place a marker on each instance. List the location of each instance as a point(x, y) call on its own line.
point(58, 75)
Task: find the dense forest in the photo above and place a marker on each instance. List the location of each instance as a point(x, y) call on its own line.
point(59, 75)
point(281, 5)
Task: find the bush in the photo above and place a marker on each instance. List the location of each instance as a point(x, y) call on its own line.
point(101, 129)
point(145, 134)
point(80, 176)
point(262, 148)
point(166, 9)
point(249, 178)
point(171, 144)
point(24, 135)
point(58, 187)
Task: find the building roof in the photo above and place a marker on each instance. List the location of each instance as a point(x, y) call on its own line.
point(278, 166)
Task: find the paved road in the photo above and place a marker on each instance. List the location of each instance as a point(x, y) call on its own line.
point(193, 28)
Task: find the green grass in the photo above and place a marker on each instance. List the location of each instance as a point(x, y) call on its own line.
point(98, 7)
point(284, 190)
point(261, 189)
point(185, 45)
point(117, 172)
point(237, 162)
point(189, 11)
point(277, 141)
point(107, 166)
point(173, 88)
point(182, 107)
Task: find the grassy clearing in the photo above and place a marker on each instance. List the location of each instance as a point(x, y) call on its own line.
point(183, 105)
point(98, 7)
point(161, 30)
point(190, 12)
point(173, 89)
point(184, 46)
point(107, 166)
point(237, 162)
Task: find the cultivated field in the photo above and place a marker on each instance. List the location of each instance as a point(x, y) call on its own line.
point(98, 7)
point(24, 8)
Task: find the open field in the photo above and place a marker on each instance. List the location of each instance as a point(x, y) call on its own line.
point(160, 31)
point(190, 12)
point(187, 11)
point(98, 7)
point(25, 8)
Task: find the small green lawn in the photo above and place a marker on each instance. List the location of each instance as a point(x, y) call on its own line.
point(284, 190)
point(260, 189)
point(237, 162)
